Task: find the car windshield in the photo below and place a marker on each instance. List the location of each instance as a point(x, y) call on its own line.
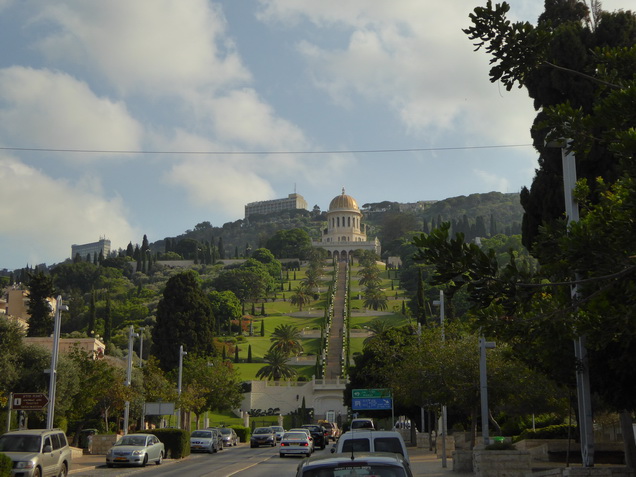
point(226, 432)
point(20, 443)
point(132, 441)
point(263, 430)
point(278, 428)
point(346, 470)
point(206, 434)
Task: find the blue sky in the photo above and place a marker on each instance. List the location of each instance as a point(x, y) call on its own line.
point(201, 87)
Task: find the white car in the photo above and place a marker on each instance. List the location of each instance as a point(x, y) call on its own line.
point(295, 443)
point(306, 431)
point(206, 440)
point(136, 449)
point(367, 440)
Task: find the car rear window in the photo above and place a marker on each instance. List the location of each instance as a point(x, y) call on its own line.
point(388, 444)
point(356, 445)
point(204, 434)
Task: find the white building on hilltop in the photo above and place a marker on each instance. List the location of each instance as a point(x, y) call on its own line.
point(345, 232)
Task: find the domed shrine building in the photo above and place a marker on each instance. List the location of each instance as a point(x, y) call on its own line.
point(345, 233)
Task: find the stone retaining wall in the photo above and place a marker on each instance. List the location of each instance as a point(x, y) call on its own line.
point(505, 463)
point(100, 443)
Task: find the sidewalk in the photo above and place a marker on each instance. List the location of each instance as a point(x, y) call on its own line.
point(86, 462)
point(426, 463)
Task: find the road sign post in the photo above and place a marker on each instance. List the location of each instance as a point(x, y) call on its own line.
point(371, 399)
point(29, 401)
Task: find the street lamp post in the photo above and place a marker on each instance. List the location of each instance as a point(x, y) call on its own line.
point(181, 355)
point(131, 336)
point(141, 347)
point(54, 357)
point(483, 385)
point(444, 412)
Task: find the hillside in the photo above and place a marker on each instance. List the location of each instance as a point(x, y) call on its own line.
point(381, 218)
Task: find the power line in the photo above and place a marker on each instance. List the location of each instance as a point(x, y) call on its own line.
point(264, 153)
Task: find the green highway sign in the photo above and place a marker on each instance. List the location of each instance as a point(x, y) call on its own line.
point(370, 393)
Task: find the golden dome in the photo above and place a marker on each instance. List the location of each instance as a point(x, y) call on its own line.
point(343, 201)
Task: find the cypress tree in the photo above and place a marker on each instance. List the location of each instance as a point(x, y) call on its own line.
point(108, 321)
point(262, 327)
point(220, 247)
point(249, 353)
point(236, 354)
point(263, 309)
point(92, 314)
point(41, 318)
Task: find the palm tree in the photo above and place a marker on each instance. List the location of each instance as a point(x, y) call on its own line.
point(377, 327)
point(369, 276)
point(302, 296)
point(287, 339)
point(276, 367)
point(375, 298)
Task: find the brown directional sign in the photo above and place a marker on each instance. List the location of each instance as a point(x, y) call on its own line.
point(29, 401)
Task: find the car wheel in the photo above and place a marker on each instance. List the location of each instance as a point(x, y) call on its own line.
point(36, 472)
point(143, 464)
point(281, 455)
point(160, 459)
point(63, 471)
point(110, 466)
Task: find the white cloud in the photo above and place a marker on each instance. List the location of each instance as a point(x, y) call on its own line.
point(493, 181)
point(225, 183)
point(46, 109)
point(415, 60)
point(47, 216)
point(152, 47)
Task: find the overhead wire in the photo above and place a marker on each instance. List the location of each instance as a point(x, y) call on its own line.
point(261, 153)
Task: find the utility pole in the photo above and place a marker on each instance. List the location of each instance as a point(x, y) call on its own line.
point(131, 336)
point(584, 398)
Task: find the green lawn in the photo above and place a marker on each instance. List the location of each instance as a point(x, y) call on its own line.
point(278, 313)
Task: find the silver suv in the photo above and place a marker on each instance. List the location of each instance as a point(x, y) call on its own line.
point(37, 452)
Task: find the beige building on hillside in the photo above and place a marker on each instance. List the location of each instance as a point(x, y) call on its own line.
point(345, 232)
point(293, 201)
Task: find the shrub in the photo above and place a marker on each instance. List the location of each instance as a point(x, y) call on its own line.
point(501, 446)
point(243, 433)
point(175, 441)
point(559, 431)
point(6, 465)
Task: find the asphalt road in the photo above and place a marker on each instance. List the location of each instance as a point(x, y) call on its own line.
point(241, 461)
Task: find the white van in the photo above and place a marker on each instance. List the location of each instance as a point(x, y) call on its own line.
point(366, 440)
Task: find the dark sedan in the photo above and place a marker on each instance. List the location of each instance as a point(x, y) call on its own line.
point(263, 436)
point(318, 435)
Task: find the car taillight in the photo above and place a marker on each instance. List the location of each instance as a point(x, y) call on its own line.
point(283, 444)
point(304, 444)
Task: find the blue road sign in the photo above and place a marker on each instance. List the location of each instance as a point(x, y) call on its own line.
point(371, 404)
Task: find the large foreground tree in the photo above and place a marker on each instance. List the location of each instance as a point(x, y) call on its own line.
point(184, 317)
